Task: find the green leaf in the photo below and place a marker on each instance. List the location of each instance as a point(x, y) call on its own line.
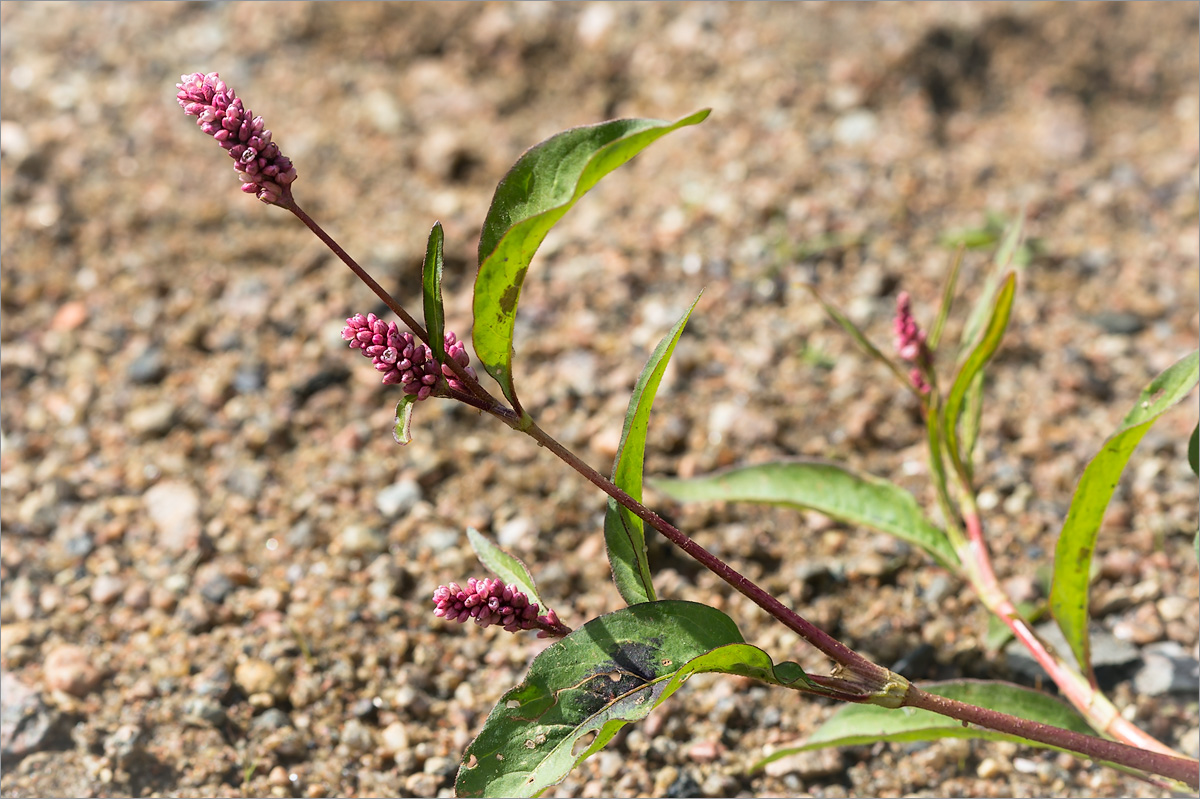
point(1006, 255)
point(1194, 450)
point(402, 431)
point(973, 366)
point(624, 533)
point(612, 670)
point(539, 189)
point(855, 725)
point(431, 286)
point(859, 337)
point(939, 324)
point(972, 418)
point(837, 492)
point(508, 568)
point(744, 660)
point(1077, 542)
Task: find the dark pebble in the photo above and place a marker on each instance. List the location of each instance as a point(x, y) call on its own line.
point(1119, 323)
point(205, 711)
point(250, 377)
point(272, 719)
point(216, 588)
point(27, 724)
point(1166, 669)
point(148, 368)
point(685, 785)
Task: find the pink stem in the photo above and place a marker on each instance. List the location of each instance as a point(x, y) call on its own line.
point(1091, 703)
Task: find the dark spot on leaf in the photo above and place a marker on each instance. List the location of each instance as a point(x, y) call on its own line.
point(508, 300)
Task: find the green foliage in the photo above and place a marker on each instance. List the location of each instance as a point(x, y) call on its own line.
point(624, 532)
point(994, 231)
point(402, 431)
point(833, 490)
point(612, 670)
point(431, 290)
point(1077, 542)
point(509, 568)
point(972, 369)
point(1194, 450)
point(540, 188)
point(856, 725)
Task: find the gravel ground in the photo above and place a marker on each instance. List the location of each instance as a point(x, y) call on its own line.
point(216, 562)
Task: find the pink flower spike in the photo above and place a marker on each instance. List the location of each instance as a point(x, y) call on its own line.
point(262, 168)
point(491, 602)
point(909, 343)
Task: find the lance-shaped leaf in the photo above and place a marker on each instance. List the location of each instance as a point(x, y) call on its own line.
point(624, 533)
point(1194, 450)
point(1001, 262)
point(431, 286)
point(508, 568)
point(973, 366)
point(855, 725)
point(851, 497)
point(539, 189)
point(402, 431)
point(1077, 542)
point(612, 670)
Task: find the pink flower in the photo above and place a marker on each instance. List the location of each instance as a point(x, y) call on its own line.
point(909, 342)
point(402, 359)
point(490, 601)
point(263, 169)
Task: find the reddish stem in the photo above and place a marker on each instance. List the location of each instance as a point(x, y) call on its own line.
point(1177, 768)
point(870, 678)
point(1094, 705)
point(483, 400)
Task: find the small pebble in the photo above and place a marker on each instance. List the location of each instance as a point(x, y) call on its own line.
point(106, 588)
point(398, 499)
point(255, 676)
point(359, 539)
point(174, 507)
point(395, 738)
point(152, 421)
point(69, 668)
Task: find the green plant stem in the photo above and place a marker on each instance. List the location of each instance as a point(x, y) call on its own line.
point(1092, 703)
point(1183, 769)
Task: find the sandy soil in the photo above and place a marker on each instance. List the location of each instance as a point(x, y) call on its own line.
point(216, 562)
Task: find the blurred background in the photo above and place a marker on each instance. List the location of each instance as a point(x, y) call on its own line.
point(217, 563)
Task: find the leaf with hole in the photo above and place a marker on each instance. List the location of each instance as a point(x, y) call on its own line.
point(583, 689)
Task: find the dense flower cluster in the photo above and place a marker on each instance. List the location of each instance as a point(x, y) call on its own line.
point(402, 359)
point(263, 169)
point(489, 602)
point(909, 342)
